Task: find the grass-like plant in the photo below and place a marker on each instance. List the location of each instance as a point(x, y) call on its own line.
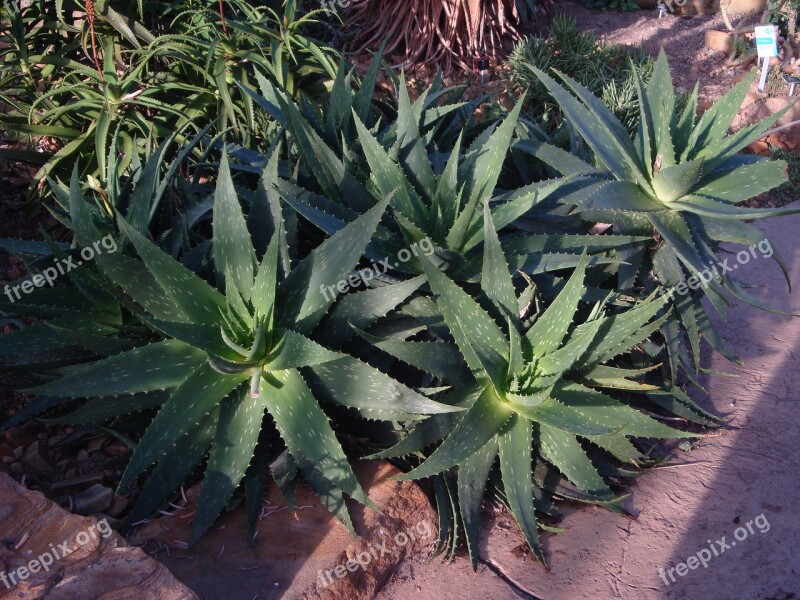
point(607, 70)
point(80, 83)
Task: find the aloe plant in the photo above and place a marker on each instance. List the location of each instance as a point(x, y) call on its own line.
point(238, 365)
point(535, 393)
point(680, 181)
point(353, 160)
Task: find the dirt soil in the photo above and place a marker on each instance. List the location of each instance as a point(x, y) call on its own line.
point(682, 38)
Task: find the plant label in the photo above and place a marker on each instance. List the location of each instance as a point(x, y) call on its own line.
point(767, 41)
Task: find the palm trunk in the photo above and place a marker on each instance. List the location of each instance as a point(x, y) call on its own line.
point(447, 33)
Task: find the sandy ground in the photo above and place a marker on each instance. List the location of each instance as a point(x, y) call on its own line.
point(682, 38)
point(748, 473)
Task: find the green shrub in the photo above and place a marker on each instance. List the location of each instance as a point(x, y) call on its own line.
point(608, 70)
point(789, 190)
point(143, 85)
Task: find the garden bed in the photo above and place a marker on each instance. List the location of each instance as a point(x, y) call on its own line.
point(135, 348)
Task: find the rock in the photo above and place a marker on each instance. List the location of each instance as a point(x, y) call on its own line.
point(753, 95)
point(777, 141)
point(101, 565)
point(759, 147)
point(36, 460)
point(95, 444)
point(83, 455)
point(17, 468)
point(720, 41)
point(118, 506)
point(116, 449)
point(774, 105)
point(116, 524)
point(55, 440)
point(743, 6)
point(73, 485)
point(17, 436)
point(6, 451)
point(96, 499)
point(770, 106)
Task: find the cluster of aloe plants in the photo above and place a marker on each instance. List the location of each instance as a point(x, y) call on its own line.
point(520, 358)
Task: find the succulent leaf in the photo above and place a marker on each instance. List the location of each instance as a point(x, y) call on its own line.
point(196, 299)
point(476, 428)
point(515, 445)
point(176, 465)
point(195, 397)
point(564, 451)
point(440, 359)
point(550, 329)
point(294, 350)
point(301, 301)
point(481, 341)
point(362, 309)
point(306, 430)
point(234, 443)
point(473, 473)
point(156, 366)
point(495, 279)
point(350, 382)
point(233, 250)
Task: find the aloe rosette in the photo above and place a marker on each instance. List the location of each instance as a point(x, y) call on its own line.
point(437, 193)
point(680, 181)
point(230, 371)
point(535, 396)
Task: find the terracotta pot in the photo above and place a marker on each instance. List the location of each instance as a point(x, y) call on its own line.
point(721, 41)
point(742, 6)
point(700, 7)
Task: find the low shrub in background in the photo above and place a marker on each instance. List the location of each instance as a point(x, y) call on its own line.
point(81, 78)
point(607, 70)
point(611, 4)
point(790, 190)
